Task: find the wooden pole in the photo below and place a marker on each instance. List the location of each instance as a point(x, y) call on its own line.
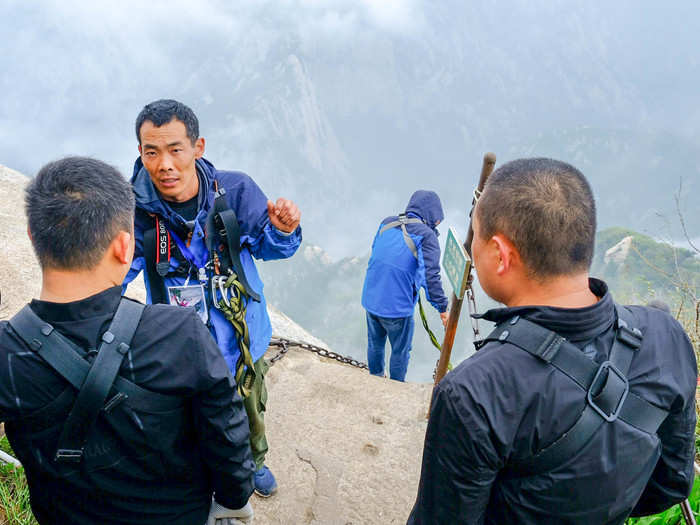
point(688, 515)
point(456, 302)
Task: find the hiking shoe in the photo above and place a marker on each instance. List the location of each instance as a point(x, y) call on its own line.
point(265, 484)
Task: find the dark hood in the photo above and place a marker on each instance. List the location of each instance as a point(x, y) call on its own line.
point(426, 205)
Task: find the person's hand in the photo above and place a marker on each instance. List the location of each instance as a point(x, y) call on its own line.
point(284, 215)
point(219, 515)
point(443, 317)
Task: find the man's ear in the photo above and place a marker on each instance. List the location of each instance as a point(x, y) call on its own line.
point(199, 148)
point(29, 234)
point(121, 247)
point(507, 254)
point(140, 152)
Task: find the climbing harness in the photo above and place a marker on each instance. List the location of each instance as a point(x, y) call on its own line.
point(221, 272)
point(606, 387)
point(100, 388)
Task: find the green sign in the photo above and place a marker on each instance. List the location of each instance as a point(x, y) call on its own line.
point(456, 262)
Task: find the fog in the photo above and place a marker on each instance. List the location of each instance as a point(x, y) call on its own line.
point(349, 106)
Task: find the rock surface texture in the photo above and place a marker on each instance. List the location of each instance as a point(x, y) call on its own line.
point(345, 446)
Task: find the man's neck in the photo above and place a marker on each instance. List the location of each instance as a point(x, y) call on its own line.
point(60, 286)
point(562, 292)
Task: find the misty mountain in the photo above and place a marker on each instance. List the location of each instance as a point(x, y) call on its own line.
point(348, 107)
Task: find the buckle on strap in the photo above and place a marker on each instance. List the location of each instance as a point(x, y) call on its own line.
point(599, 376)
point(632, 337)
point(65, 455)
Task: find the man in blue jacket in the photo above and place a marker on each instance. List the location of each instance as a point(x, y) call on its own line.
point(405, 257)
point(197, 230)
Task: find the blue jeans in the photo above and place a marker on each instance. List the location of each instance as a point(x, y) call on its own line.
point(400, 332)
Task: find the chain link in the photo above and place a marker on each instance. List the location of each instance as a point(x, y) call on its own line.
point(285, 344)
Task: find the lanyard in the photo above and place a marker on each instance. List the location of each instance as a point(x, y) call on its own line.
point(197, 262)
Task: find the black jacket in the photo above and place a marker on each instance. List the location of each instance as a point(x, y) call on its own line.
point(139, 467)
point(503, 405)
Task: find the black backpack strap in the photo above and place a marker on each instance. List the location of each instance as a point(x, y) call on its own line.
point(607, 389)
point(64, 356)
point(222, 220)
point(93, 394)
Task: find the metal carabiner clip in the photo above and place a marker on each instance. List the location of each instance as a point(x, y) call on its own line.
point(224, 292)
point(212, 286)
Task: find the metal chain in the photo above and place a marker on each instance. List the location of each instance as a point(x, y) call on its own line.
point(284, 345)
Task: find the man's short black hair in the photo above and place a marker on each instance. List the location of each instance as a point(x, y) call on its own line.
point(75, 207)
point(546, 208)
point(163, 111)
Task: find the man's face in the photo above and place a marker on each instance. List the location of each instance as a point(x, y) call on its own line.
point(169, 157)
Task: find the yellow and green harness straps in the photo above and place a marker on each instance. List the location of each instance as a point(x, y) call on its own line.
point(431, 335)
point(235, 313)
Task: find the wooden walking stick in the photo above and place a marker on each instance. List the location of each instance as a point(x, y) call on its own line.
point(460, 277)
point(687, 512)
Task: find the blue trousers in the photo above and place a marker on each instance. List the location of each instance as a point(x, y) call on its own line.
point(400, 332)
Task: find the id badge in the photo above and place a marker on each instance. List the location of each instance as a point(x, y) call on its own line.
point(190, 296)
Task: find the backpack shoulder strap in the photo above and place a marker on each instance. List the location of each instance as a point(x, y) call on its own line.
point(402, 222)
point(606, 387)
point(93, 393)
point(63, 356)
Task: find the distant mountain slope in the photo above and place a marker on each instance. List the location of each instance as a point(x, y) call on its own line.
point(639, 269)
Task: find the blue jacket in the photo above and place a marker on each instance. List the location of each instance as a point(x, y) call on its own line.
point(259, 239)
point(394, 275)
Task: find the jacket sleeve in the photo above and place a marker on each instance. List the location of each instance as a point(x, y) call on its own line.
point(265, 241)
point(221, 425)
point(273, 244)
point(460, 464)
point(672, 479)
point(429, 270)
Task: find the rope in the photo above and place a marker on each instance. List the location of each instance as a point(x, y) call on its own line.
point(235, 313)
point(431, 335)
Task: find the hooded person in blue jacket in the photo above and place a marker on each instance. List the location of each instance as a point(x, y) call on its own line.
point(405, 257)
point(176, 189)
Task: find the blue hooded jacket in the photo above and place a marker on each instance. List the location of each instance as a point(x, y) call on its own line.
point(259, 239)
point(394, 275)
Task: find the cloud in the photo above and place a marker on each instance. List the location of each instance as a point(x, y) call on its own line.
point(403, 16)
